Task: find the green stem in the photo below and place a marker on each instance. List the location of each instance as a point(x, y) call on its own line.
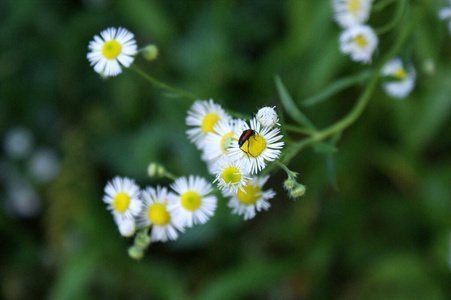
point(158, 84)
point(399, 13)
point(380, 5)
point(337, 87)
point(298, 129)
point(363, 100)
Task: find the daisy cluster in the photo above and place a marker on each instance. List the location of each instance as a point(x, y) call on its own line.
point(235, 151)
point(165, 212)
point(357, 40)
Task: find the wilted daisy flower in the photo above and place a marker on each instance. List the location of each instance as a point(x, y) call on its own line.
point(404, 79)
point(445, 14)
point(267, 116)
point(359, 41)
point(203, 115)
point(122, 197)
point(156, 213)
point(260, 145)
point(114, 47)
point(253, 198)
point(218, 141)
point(191, 205)
point(231, 174)
point(351, 12)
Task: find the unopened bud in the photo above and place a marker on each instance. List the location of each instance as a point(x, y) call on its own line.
point(142, 239)
point(289, 184)
point(127, 228)
point(267, 116)
point(150, 52)
point(298, 190)
point(152, 169)
point(135, 252)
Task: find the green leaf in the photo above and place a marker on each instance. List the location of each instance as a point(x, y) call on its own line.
point(289, 105)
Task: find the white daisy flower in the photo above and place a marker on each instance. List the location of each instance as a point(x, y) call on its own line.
point(231, 175)
point(267, 116)
point(404, 80)
point(351, 12)
point(122, 197)
point(445, 14)
point(218, 141)
point(156, 213)
point(257, 145)
point(203, 115)
point(359, 41)
point(252, 199)
point(191, 205)
point(113, 47)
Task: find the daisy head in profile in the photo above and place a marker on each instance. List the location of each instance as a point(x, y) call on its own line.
point(203, 116)
point(123, 198)
point(359, 42)
point(191, 203)
point(257, 144)
point(402, 80)
point(156, 214)
point(113, 48)
point(351, 12)
point(251, 199)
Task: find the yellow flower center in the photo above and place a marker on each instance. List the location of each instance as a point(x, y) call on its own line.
point(254, 146)
point(400, 73)
point(158, 214)
point(208, 122)
point(191, 200)
point(121, 202)
point(360, 41)
point(111, 49)
point(226, 141)
point(231, 175)
point(354, 6)
point(250, 195)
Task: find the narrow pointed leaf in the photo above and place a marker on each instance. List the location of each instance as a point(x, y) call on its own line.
point(290, 107)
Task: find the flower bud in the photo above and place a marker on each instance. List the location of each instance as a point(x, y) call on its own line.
point(267, 116)
point(298, 190)
point(152, 169)
point(142, 239)
point(289, 184)
point(150, 52)
point(127, 228)
point(135, 252)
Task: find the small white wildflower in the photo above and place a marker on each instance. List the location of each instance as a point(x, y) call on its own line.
point(405, 80)
point(253, 199)
point(351, 12)
point(156, 213)
point(231, 175)
point(260, 146)
point(203, 115)
point(359, 42)
point(113, 47)
point(122, 197)
point(191, 204)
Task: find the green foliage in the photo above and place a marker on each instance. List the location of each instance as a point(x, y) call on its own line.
point(376, 218)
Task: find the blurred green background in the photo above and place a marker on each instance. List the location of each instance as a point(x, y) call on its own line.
point(385, 234)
